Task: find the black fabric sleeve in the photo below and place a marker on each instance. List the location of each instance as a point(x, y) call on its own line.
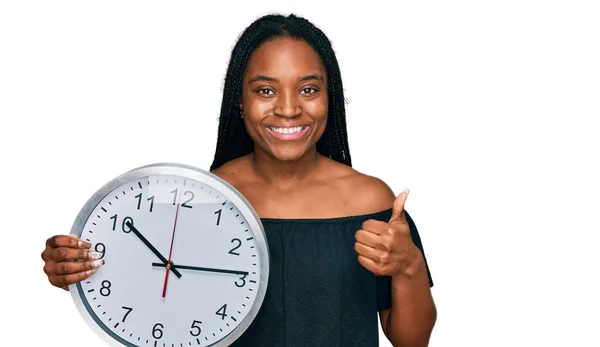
point(384, 283)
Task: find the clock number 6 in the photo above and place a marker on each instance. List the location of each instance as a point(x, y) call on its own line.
point(195, 326)
point(125, 220)
point(156, 331)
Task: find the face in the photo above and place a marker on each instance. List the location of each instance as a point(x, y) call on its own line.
point(284, 99)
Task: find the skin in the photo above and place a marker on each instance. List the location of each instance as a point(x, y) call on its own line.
point(285, 84)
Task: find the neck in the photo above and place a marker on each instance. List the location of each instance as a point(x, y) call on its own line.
point(275, 171)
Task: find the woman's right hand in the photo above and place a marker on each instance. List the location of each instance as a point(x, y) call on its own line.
point(69, 260)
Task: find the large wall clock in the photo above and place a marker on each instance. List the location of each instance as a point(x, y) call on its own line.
point(186, 259)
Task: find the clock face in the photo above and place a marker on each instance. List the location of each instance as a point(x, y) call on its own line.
point(186, 260)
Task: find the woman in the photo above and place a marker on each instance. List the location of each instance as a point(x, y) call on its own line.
point(342, 246)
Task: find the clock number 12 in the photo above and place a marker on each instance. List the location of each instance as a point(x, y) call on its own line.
point(185, 203)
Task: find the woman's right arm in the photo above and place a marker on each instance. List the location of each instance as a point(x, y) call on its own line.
point(68, 260)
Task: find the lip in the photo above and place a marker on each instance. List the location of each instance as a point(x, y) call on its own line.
point(288, 137)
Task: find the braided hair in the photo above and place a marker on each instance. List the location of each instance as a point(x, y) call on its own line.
point(233, 140)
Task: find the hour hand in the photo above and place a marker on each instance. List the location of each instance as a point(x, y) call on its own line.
point(152, 248)
point(197, 268)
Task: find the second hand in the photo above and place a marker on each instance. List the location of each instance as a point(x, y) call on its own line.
point(164, 293)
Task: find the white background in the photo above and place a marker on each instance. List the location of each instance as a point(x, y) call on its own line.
point(486, 110)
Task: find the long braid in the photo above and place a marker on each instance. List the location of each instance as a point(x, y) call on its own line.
point(233, 140)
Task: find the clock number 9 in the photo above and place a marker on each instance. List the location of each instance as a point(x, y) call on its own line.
point(156, 331)
point(123, 225)
point(97, 249)
point(195, 326)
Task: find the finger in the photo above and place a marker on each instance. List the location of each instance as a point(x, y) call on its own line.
point(62, 281)
point(368, 238)
point(398, 208)
point(369, 264)
point(367, 252)
point(375, 226)
point(67, 241)
point(65, 253)
point(70, 267)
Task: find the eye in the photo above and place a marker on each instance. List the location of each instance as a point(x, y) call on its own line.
point(265, 91)
point(308, 90)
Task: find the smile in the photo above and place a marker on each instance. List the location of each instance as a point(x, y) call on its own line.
point(288, 133)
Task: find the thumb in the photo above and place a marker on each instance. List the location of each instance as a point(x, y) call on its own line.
point(398, 209)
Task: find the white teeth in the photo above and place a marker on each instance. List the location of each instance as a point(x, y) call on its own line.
point(287, 130)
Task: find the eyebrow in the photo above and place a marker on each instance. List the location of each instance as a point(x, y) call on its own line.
point(273, 79)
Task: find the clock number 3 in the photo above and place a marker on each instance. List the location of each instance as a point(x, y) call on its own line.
point(243, 278)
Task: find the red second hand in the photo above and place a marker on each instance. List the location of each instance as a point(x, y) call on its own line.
point(164, 293)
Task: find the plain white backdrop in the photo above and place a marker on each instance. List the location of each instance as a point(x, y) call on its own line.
point(487, 111)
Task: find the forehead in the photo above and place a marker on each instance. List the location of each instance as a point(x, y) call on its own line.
point(285, 56)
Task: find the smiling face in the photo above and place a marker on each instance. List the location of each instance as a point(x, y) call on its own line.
point(284, 99)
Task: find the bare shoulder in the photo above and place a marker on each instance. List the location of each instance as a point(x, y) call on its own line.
point(233, 171)
point(363, 193)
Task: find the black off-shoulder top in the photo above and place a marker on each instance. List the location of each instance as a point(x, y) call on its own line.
point(318, 293)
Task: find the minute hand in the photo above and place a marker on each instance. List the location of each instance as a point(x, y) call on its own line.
point(197, 268)
point(149, 245)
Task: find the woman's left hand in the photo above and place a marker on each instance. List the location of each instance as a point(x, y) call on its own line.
point(386, 249)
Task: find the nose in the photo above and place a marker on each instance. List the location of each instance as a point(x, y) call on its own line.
point(287, 105)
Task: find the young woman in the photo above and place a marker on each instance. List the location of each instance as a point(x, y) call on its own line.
point(342, 246)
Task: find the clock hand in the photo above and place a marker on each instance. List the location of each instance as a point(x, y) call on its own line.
point(168, 266)
point(186, 267)
point(147, 243)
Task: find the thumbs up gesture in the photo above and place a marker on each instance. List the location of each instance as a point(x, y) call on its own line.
point(386, 249)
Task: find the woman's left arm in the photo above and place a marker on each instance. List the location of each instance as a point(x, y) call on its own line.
point(410, 320)
point(387, 249)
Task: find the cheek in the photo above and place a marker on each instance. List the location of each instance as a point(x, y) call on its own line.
point(259, 110)
point(317, 109)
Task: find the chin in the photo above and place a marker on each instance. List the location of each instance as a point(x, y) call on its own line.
point(288, 154)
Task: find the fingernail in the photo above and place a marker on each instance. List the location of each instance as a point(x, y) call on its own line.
point(81, 243)
point(98, 263)
point(406, 190)
point(89, 272)
point(95, 255)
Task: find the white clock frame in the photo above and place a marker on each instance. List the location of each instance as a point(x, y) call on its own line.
point(186, 171)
